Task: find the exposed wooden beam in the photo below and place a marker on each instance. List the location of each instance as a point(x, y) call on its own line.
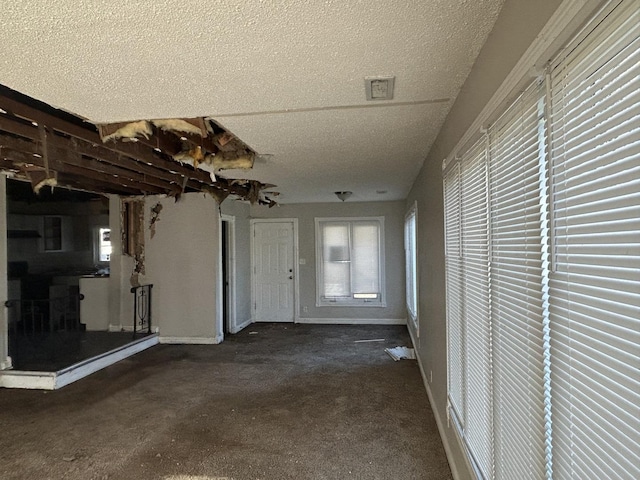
point(64, 161)
point(100, 152)
point(136, 150)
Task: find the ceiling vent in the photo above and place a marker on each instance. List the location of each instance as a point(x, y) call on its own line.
point(379, 88)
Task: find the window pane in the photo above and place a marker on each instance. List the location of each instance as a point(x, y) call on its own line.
point(105, 244)
point(365, 268)
point(411, 264)
point(349, 261)
point(336, 260)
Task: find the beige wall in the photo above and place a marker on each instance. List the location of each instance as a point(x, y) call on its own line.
point(393, 213)
point(519, 23)
point(181, 261)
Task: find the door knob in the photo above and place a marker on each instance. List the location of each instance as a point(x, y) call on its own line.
point(290, 277)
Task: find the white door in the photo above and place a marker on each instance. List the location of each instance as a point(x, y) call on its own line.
point(273, 271)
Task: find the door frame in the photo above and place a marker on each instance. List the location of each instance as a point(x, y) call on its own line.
point(296, 282)
point(231, 273)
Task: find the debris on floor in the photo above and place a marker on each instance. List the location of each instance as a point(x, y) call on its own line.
point(398, 353)
point(369, 340)
point(253, 333)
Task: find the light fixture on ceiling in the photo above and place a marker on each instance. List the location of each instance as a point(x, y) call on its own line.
point(343, 195)
point(379, 88)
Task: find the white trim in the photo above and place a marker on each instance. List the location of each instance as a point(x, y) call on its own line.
point(558, 30)
point(436, 414)
point(61, 378)
point(351, 302)
point(83, 369)
point(28, 380)
point(242, 325)
point(413, 319)
point(189, 340)
point(120, 328)
point(353, 321)
point(7, 364)
point(296, 267)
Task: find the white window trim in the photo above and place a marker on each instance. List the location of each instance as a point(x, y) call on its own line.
point(381, 262)
point(413, 315)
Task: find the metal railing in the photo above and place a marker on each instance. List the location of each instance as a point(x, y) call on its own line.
point(40, 330)
point(141, 309)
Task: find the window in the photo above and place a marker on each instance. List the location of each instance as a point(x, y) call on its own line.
point(104, 244)
point(52, 237)
point(411, 264)
point(350, 261)
point(543, 269)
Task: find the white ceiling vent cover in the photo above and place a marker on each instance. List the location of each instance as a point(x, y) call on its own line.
point(379, 88)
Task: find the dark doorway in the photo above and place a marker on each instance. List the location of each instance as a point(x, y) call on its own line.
point(225, 277)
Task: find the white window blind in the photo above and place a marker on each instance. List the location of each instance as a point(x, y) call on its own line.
point(475, 314)
point(543, 278)
point(595, 282)
point(350, 261)
point(519, 280)
point(453, 269)
point(411, 264)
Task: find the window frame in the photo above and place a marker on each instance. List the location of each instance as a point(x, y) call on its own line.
point(349, 302)
point(97, 244)
point(411, 260)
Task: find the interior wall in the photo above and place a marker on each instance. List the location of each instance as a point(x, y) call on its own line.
point(518, 24)
point(393, 213)
point(121, 266)
point(4, 334)
point(182, 263)
point(240, 211)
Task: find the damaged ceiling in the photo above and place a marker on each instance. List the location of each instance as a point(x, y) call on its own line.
point(285, 79)
point(51, 148)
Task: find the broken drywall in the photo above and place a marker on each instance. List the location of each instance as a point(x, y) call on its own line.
point(132, 221)
point(155, 217)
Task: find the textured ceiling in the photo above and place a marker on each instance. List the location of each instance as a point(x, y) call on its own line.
point(287, 77)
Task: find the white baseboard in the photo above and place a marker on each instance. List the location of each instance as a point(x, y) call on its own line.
point(120, 328)
point(436, 414)
point(353, 321)
point(189, 340)
point(7, 364)
point(61, 378)
point(241, 326)
point(28, 380)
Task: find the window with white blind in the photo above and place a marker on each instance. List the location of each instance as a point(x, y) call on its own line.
point(595, 278)
point(350, 261)
point(542, 252)
point(411, 264)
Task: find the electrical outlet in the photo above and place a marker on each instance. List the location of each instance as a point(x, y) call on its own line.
point(305, 309)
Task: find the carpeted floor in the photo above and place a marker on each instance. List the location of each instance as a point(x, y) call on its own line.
point(276, 401)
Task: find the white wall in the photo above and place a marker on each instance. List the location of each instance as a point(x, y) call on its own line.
point(4, 334)
point(393, 213)
point(519, 23)
point(182, 262)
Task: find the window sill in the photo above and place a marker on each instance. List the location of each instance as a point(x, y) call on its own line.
point(351, 304)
